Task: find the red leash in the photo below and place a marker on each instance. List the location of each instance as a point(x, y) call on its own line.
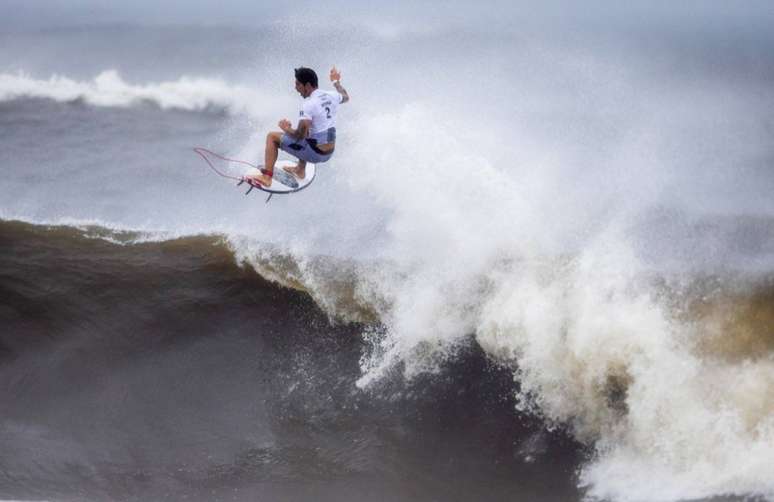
point(203, 153)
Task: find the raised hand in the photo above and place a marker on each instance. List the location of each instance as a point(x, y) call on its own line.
point(335, 74)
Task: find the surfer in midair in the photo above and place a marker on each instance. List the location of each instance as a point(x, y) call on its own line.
point(314, 139)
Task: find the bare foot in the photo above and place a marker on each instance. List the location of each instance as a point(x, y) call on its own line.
point(298, 172)
point(261, 179)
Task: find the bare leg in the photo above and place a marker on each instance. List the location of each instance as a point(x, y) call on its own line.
point(299, 170)
point(273, 140)
point(270, 158)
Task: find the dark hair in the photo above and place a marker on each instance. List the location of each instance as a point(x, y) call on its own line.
point(306, 76)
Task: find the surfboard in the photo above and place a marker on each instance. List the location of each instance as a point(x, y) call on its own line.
point(282, 182)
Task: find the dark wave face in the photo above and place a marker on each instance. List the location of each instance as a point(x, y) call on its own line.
point(165, 371)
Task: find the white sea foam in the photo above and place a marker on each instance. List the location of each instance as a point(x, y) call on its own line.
point(109, 89)
point(699, 426)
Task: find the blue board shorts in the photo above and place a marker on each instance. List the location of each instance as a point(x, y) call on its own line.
point(304, 149)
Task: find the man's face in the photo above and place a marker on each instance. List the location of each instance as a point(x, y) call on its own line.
point(302, 89)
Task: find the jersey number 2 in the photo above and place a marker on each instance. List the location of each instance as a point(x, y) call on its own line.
point(327, 109)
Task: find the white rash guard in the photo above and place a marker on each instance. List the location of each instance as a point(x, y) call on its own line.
point(321, 107)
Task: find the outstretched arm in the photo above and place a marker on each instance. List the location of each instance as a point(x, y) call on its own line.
point(335, 78)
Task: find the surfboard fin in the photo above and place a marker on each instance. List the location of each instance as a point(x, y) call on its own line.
point(249, 189)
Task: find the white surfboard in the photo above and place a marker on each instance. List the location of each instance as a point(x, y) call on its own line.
point(283, 181)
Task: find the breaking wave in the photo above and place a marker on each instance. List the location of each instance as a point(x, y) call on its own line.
point(669, 376)
point(109, 89)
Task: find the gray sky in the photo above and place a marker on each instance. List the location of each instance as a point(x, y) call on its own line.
point(722, 14)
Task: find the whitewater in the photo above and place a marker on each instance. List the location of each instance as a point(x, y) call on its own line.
point(592, 212)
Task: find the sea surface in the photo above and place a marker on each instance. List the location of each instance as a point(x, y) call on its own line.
point(539, 267)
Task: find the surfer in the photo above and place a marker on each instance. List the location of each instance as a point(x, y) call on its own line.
point(314, 139)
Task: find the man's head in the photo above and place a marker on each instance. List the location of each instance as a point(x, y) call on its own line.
point(306, 81)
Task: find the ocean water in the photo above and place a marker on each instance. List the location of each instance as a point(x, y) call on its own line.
point(540, 265)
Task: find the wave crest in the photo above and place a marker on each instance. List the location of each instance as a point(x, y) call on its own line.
point(109, 89)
